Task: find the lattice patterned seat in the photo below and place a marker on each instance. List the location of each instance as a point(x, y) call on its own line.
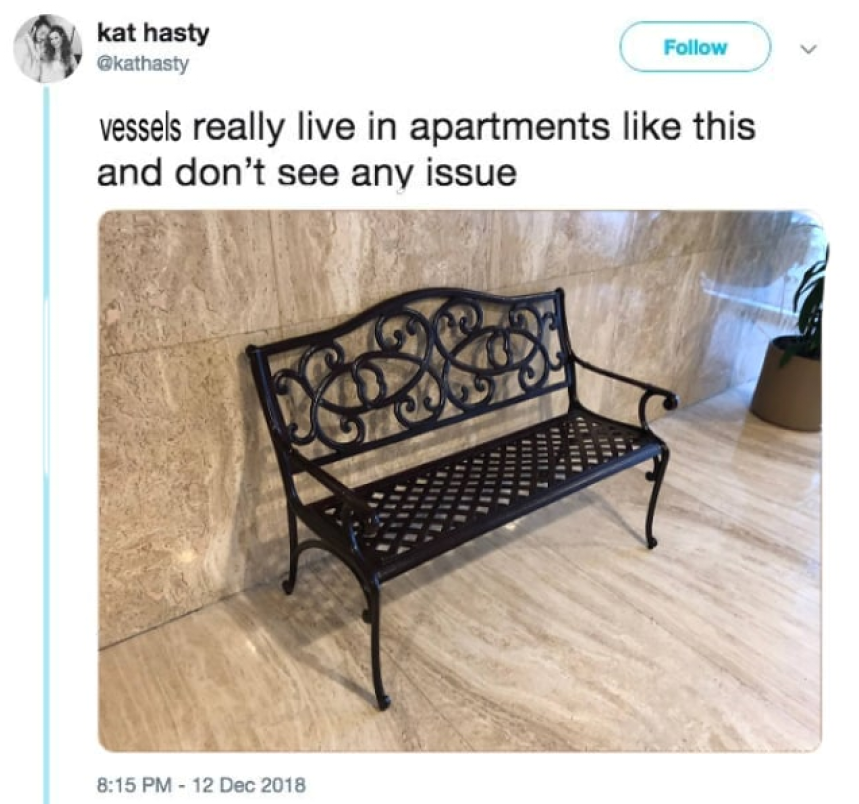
point(416, 363)
point(423, 510)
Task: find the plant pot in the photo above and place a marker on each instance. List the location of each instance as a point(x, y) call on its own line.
point(788, 395)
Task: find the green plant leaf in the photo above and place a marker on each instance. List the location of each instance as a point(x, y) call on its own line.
point(810, 279)
point(808, 305)
point(811, 310)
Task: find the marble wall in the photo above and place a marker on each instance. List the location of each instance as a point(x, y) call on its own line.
point(191, 508)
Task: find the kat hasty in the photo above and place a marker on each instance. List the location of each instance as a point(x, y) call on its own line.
point(149, 32)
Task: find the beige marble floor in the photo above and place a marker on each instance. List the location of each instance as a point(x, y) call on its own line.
point(560, 632)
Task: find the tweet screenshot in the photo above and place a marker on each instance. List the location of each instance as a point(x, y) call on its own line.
point(427, 402)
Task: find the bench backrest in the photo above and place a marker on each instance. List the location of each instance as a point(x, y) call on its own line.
point(411, 364)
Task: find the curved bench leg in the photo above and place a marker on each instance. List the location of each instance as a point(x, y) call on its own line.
point(374, 602)
point(289, 583)
point(659, 465)
point(371, 588)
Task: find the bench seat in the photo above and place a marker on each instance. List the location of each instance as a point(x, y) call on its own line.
point(429, 509)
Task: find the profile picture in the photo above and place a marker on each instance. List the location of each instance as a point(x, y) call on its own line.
point(48, 48)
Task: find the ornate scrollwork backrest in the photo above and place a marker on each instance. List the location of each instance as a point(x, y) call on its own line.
point(415, 362)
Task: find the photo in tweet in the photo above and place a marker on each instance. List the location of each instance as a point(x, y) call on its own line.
point(329, 402)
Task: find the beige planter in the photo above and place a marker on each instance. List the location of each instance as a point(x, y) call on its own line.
point(788, 395)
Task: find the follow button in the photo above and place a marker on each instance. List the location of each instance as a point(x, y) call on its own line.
point(695, 47)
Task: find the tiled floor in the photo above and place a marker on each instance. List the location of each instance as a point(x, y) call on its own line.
point(559, 632)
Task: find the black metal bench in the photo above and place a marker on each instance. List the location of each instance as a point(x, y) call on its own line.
point(413, 364)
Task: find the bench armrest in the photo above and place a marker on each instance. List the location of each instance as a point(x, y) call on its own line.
point(670, 402)
point(360, 519)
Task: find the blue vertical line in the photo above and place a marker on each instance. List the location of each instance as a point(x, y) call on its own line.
point(46, 446)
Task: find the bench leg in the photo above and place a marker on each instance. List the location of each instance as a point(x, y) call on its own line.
point(374, 611)
point(369, 585)
point(289, 583)
point(659, 465)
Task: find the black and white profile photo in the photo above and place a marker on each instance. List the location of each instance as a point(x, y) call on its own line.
point(48, 48)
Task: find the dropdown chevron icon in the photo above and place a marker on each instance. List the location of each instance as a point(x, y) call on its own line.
point(809, 49)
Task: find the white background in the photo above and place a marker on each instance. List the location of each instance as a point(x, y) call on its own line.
point(538, 58)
